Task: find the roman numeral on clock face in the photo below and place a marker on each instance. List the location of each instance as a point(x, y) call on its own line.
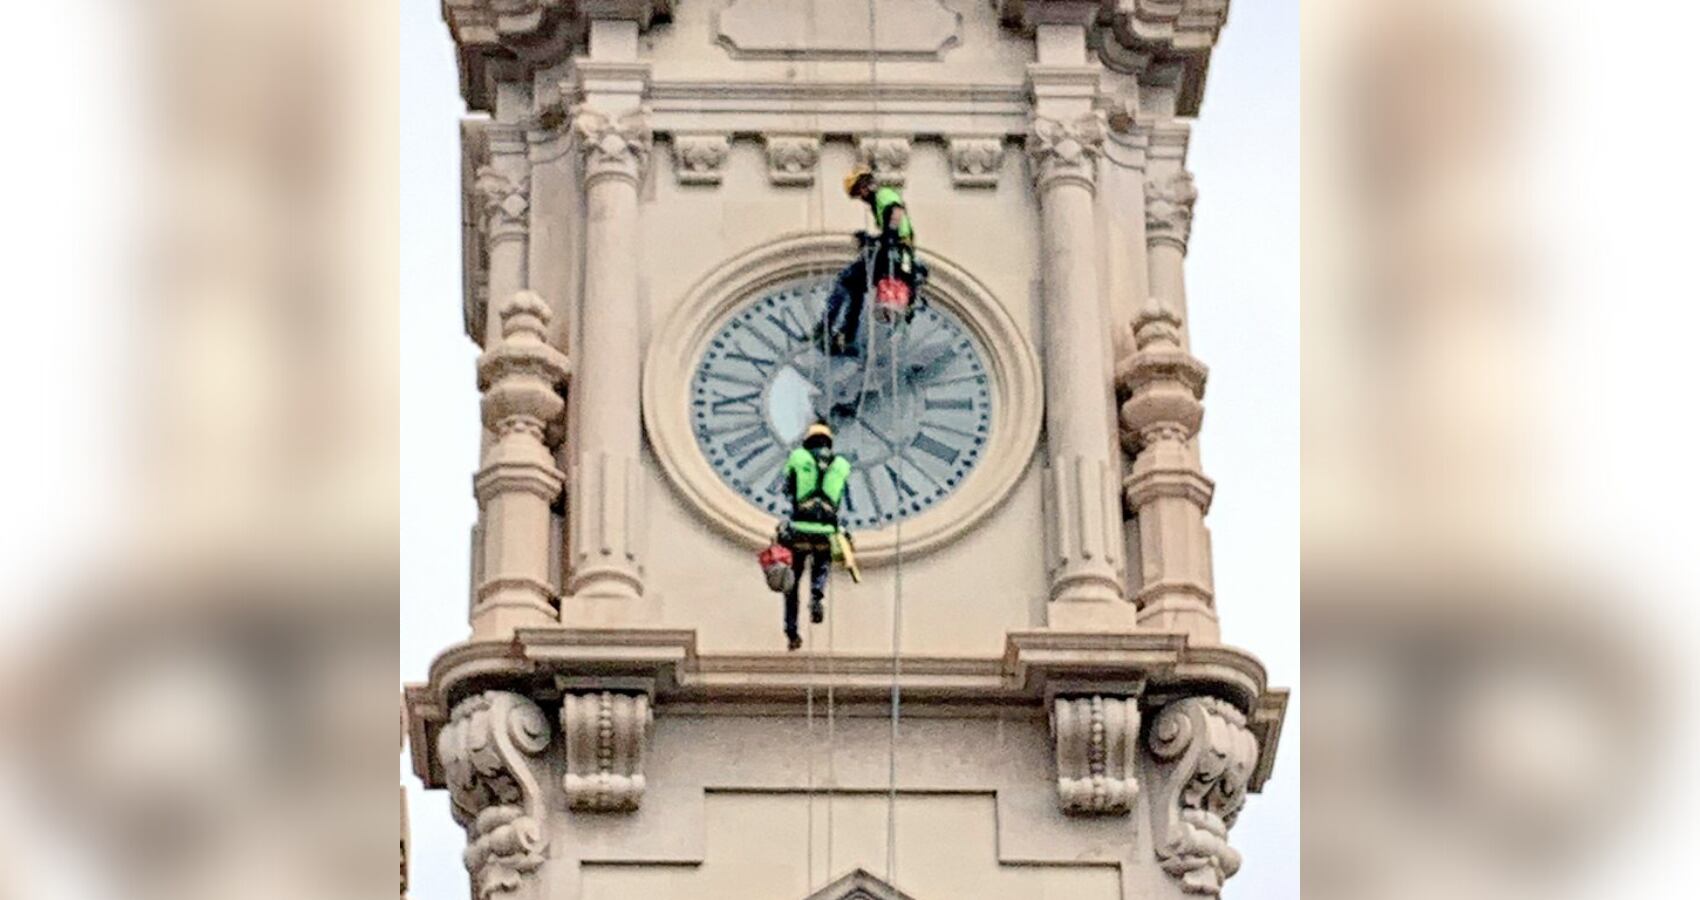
point(935, 448)
point(920, 431)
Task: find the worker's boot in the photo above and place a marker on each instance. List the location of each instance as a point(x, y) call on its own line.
point(793, 642)
point(817, 611)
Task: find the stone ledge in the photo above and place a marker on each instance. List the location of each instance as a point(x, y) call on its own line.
point(1036, 665)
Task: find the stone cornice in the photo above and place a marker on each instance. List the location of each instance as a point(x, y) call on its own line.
point(1036, 667)
point(1166, 43)
point(507, 40)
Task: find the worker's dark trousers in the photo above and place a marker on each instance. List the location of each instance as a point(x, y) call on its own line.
point(844, 306)
point(821, 559)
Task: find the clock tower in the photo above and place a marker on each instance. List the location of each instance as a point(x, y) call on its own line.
point(1026, 695)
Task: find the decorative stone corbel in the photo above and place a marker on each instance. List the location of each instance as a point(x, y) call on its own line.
point(607, 734)
point(614, 146)
point(1066, 150)
point(975, 161)
point(486, 751)
point(700, 158)
point(888, 157)
point(1097, 743)
point(792, 158)
point(1204, 755)
point(1169, 199)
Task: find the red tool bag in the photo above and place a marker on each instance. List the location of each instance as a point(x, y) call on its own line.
point(891, 298)
point(776, 568)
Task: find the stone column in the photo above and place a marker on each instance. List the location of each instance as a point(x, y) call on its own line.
point(606, 529)
point(503, 187)
point(1084, 520)
point(518, 483)
point(1162, 388)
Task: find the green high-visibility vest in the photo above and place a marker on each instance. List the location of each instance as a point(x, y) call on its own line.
point(884, 199)
point(816, 492)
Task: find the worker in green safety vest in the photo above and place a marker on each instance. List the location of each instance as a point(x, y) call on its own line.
point(893, 245)
point(816, 480)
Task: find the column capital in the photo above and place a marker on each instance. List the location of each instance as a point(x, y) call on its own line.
point(1169, 198)
point(613, 145)
point(1066, 150)
point(503, 195)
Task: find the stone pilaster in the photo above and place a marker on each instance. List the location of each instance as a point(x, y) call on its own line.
point(1203, 756)
point(517, 485)
point(1084, 520)
point(502, 192)
point(614, 144)
point(488, 749)
point(1161, 386)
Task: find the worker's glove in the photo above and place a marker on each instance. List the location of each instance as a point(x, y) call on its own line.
point(782, 533)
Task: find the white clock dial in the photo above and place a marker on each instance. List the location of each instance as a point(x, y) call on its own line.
point(913, 414)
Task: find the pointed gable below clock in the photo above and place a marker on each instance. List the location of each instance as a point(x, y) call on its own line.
point(859, 885)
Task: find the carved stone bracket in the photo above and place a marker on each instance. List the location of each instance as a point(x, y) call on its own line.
point(1204, 755)
point(485, 750)
point(975, 161)
point(614, 146)
point(607, 734)
point(503, 202)
point(792, 158)
point(888, 157)
point(1169, 199)
point(1066, 150)
point(700, 158)
point(1097, 743)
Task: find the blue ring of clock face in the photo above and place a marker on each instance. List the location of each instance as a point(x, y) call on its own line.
point(911, 409)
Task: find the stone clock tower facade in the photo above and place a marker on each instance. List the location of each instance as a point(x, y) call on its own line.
point(1027, 695)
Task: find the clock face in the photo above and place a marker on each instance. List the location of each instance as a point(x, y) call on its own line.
point(912, 413)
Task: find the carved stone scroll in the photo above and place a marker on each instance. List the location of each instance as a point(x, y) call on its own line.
point(791, 158)
point(700, 158)
point(485, 750)
point(607, 734)
point(975, 161)
point(888, 157)
point(1204, 755)
point(1097, 743)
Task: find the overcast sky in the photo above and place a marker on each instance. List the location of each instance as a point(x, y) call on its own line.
point(1243, 293)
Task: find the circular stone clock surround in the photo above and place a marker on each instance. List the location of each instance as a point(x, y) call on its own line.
point(711, 303)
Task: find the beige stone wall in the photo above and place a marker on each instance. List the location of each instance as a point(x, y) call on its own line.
point(625, 721)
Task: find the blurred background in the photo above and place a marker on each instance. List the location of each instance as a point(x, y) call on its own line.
point(202, 472)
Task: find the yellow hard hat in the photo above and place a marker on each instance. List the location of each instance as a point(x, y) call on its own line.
point(817, 430)
point(856, 175)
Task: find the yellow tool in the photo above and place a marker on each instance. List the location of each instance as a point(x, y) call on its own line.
point(846, 553)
